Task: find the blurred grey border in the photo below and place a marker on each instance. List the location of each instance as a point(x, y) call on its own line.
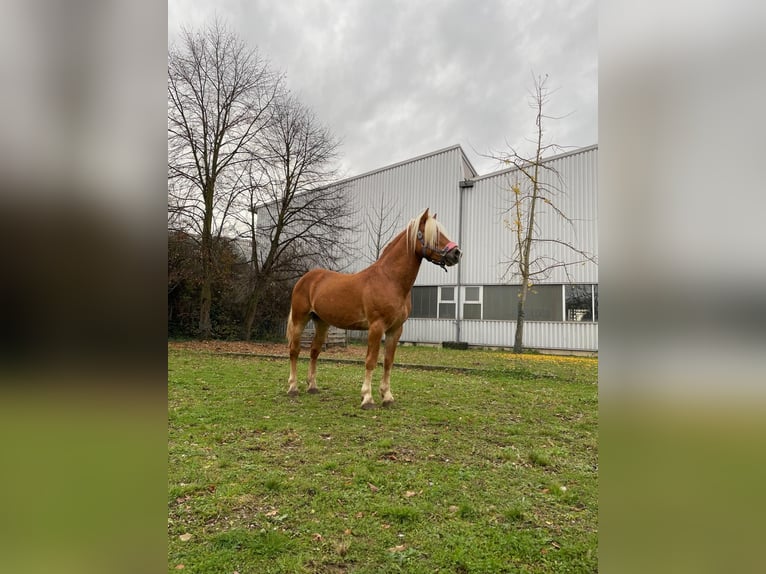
point(682, 200)
point(83, 345)
point(82, 197)
point(682, 244)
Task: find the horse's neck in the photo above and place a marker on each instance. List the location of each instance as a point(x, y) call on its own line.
point(400, 263)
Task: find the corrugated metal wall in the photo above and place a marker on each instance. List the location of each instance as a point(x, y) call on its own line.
point(581, 336)
point(488, 243)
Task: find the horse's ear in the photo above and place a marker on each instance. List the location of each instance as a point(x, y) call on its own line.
point(424, 218)
point(434, 216)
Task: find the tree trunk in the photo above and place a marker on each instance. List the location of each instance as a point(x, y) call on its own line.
point(206, 296)
point(519, 336)
point(206, 300)
point(252, 307)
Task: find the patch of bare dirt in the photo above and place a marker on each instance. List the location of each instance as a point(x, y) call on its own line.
point(251, 348)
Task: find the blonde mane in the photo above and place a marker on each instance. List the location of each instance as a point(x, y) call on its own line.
point(431, 232)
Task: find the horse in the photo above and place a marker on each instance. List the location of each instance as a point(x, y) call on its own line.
point(376, 299)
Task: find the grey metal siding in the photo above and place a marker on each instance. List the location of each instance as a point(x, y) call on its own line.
point(537, 334)
point(488, 243)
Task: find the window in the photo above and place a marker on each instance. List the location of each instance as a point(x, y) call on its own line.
point(424, 302)
point(433, 303)
point(543, 302)
point(446, 303)
point(500, 302)
point(472, 303)
point(595, 302)
point(581, 302)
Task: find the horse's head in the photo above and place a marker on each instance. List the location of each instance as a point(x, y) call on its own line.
point(431, 241)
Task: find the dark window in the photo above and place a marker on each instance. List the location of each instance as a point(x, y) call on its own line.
point(472, 305)
point(595, 302)
point(582, 302)
point(543, 302)
point(424, 302)
point(472, 311)
point(500, 302)
point(472, 294)
point(446, 310)
point(447, 303)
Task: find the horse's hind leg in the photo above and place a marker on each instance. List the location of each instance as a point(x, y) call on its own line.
point(316, 347)
point(392, 338)
point(295, 325)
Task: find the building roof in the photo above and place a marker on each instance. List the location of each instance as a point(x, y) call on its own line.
point(473, 174)
point(466, 161)
point(549, 158)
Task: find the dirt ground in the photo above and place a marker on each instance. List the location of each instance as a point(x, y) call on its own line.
point(279, 349)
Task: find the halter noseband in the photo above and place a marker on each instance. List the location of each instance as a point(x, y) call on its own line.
point(441, 263)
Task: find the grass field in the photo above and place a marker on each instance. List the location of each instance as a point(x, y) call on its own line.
point(489, 464)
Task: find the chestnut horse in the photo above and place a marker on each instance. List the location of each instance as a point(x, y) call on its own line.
point(376, 299)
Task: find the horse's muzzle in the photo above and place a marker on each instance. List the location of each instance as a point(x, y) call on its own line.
point(452, 257)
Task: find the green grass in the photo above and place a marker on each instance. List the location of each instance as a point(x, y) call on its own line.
point(491, 469)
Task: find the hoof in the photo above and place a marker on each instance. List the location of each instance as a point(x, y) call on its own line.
point(368, 406)
point(312, 390)
point(388, 404)
point(293, 392)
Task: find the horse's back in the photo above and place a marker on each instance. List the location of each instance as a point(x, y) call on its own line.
point(311, 280)
point(337, 298)
point(317, 283)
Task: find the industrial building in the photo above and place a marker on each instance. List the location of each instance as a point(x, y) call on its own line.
point(475, 301)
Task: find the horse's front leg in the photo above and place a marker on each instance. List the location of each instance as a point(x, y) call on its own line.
point(373, 348)
point(392, 338)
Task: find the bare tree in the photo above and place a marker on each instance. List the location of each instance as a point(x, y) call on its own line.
point(382, 224)
point(220, 98)
point(294, 218)
point(536, 188)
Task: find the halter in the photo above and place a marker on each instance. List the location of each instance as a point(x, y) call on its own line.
point(441, 254)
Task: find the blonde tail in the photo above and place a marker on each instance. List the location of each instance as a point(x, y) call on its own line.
point(289, 333)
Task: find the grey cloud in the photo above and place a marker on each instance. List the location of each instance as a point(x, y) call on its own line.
point(397, 79)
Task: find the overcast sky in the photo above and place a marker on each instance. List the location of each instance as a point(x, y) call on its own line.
point(394, 79)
